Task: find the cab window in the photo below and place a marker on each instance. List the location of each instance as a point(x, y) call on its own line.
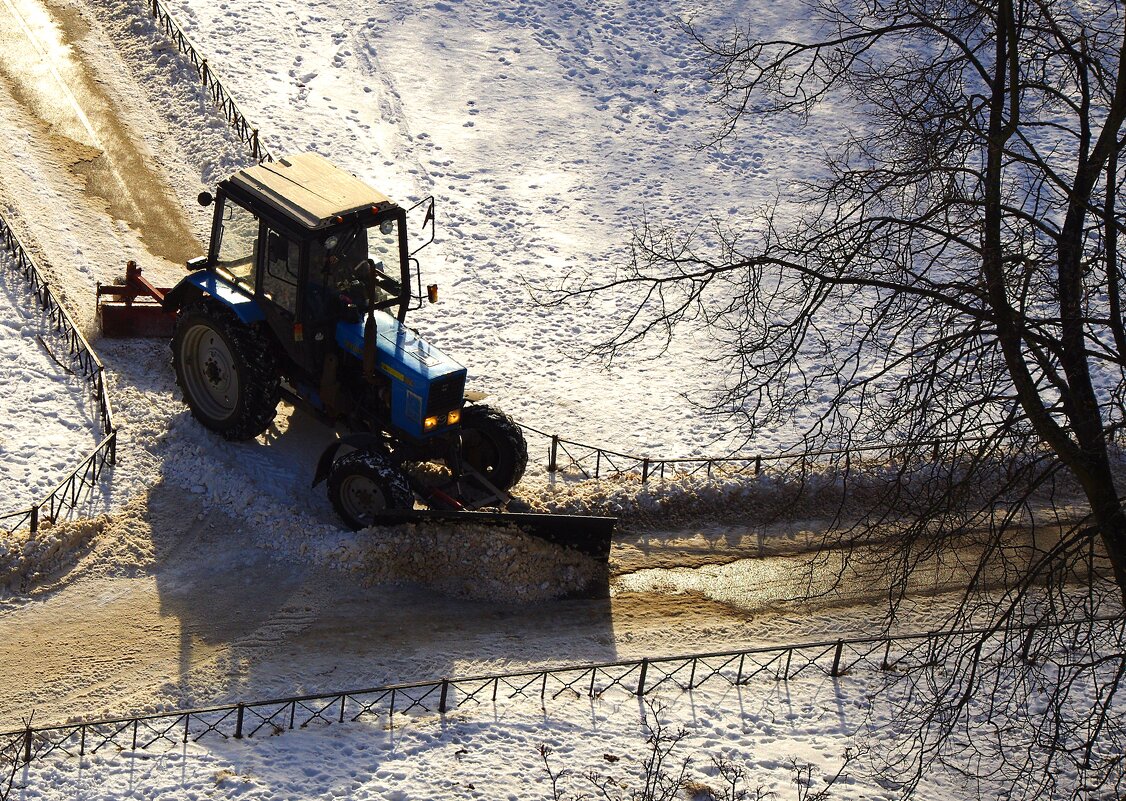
point(238, 243)
point(279, 282)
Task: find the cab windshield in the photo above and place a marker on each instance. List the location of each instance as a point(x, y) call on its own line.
point(360, 264)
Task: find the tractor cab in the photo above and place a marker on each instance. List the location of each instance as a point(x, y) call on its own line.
point(314, 246)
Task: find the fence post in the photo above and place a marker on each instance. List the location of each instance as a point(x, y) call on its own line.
point(645, 470)
point(641, 678)
point(27, 746)
point(758, 465)
point(442, 700)
point(238, 722)
point(254, 149)
point(34, 524)
point(552, 459)
point(1026, 646)
point(837, 659)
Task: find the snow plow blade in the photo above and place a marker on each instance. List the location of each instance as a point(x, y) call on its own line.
point(588, 535)
point(133, 309)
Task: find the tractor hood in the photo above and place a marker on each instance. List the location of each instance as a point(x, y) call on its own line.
point(425, 383)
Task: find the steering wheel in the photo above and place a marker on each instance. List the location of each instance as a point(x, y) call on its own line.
point(382, 279)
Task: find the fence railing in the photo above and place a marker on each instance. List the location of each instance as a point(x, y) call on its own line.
point(71, 490)
point(594, 461)
point(832, 658)
point(211, 84)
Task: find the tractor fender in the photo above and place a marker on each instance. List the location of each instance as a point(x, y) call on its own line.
point(358, 441)
point(179, 296)
point(209, 284)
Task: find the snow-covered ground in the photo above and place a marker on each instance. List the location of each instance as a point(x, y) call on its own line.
point(545, 131)
point(49, 421)
point(592, 125)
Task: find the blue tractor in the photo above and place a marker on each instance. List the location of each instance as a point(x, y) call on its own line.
point(303, 296)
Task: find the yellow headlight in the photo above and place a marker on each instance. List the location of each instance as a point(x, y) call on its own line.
point(430, 423)
point(454, 417)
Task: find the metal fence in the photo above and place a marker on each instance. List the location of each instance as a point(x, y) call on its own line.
point(831, 658)
point(211, 84)
point(593, 461)
point(71, 490)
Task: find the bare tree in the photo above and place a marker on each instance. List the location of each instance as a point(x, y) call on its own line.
point(953, 286)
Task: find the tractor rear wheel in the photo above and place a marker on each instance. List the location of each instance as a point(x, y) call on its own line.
point(493, 445)
point(225, 370)
point(364, 483)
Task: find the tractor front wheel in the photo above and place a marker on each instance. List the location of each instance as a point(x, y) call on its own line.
point(225, 370)
point(493, 445)
point(364, 483)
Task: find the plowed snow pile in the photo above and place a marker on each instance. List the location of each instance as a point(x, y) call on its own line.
point(471, 561)
point(27, 560)
point(484, 563)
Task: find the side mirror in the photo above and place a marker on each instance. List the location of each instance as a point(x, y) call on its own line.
point(427, 229)
point(205, 198)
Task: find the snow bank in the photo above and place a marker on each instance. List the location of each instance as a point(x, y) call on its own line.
point(726, 495)
point(470, 561)
point(779, 494)
point(462, 561)
point(27, 560)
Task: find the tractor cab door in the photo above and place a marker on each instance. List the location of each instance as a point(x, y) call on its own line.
point(234, 242)
point(280, 278)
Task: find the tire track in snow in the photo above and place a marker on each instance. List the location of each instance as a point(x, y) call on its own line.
point(406, 147)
